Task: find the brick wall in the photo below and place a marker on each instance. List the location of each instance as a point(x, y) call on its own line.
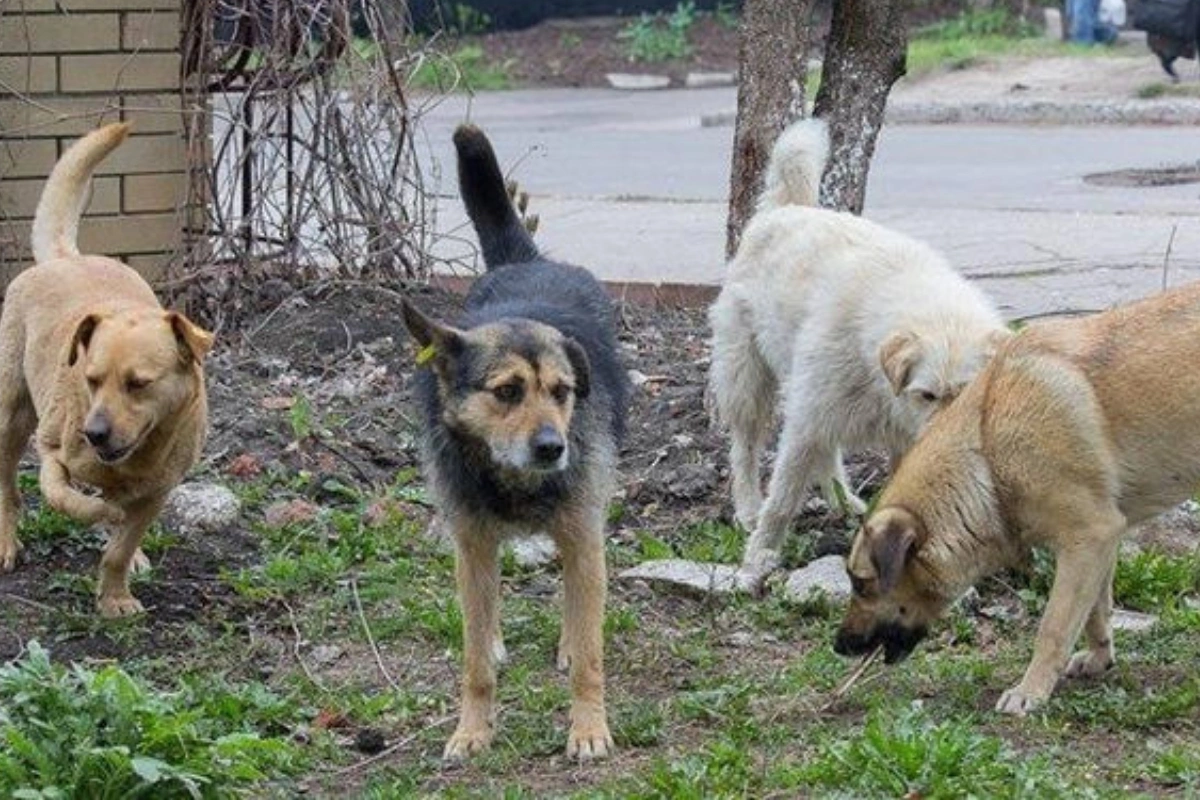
point(67, 66)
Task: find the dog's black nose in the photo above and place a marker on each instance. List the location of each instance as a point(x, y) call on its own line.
point(548, 445)
point(96, 431)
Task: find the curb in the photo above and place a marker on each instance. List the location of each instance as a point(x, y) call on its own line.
point(1024, 112)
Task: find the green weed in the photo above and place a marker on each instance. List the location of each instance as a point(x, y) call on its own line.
point(105, 734)
point(1153, 581)
point(464, 69)
point(910, 755)
point(657, 38)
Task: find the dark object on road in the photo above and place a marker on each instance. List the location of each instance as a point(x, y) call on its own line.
point(1172, 28)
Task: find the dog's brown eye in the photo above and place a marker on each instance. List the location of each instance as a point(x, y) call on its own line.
point(560, 393)
point(929, 397)
point(508, 393)
point(133, 384)
point(93, 383)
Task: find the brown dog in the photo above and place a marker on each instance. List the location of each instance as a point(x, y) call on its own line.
point(111, 383)
point(1076, 430)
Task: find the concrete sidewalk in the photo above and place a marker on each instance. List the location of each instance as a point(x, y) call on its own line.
point(631, 185)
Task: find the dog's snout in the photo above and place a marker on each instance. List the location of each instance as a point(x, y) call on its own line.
point(97, 430)
point(548, 445)
point(848, 643)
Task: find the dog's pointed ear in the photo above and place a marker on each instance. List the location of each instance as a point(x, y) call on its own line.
point(893, 536)
point(82, 337)
point(898, 355)
point(440, 344)
point(193, 341)
point(581, 366)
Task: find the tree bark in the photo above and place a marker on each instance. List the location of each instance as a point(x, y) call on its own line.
point(864, 56)
point(773, 67)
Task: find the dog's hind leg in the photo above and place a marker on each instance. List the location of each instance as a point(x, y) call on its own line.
point(742, 391)
point(477, 566)
point(1099, 655)
point(17, 422)
point(580, 539)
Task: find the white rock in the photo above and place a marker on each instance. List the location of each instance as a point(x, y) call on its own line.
point(1135, 621)
point(691, 576)
point(533, 551)
point(200, 508)
point(826, 575)
point(637, 81)
point(637, 378)
point(324, 654)
point(703, 80)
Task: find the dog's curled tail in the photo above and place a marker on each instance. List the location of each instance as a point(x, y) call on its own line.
point(56, 222)
point(502, 236)
point(797, 160)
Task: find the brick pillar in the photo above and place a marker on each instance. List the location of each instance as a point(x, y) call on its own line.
point(67, 66)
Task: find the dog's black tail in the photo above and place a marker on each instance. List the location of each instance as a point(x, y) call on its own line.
point(502, 237)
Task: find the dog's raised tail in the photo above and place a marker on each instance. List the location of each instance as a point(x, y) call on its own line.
point(797, 161)
point(502, 237)
point(56, 222)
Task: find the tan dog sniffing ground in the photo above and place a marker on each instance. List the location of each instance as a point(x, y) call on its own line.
point(111, 383)
point(1075, 431)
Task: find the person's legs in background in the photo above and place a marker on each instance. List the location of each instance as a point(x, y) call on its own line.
point(1082, 17)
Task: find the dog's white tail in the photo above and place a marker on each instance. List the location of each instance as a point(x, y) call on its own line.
point(56, 223)
point(797, 160)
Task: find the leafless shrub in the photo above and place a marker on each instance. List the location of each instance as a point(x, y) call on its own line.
point(302, 159)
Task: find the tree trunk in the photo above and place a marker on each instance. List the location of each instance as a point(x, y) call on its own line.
point(773, 66)
point(864, 56)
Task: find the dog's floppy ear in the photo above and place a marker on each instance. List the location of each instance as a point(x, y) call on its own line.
point(898, 354)
point(83, 337)
point(440, 344)
point(194, 342)
point(893, 536)
point(580, 366)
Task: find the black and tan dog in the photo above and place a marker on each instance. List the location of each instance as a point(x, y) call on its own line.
point(1075, 430)
point(525, 404)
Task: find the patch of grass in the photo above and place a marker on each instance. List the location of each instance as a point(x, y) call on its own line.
point(1161, 89)
point(911, 755)
point(1153, 581)
point(978, 23)
point(84, 733)
point(466, 68)
point(655, 38)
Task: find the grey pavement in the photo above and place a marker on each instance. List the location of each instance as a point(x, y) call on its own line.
point(632, 186)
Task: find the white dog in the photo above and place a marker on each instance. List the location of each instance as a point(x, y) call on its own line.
point(864, 331)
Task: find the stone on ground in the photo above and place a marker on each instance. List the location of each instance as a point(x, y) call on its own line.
point(689, 576)
point(637, 81)
point(533, 551)
point(824, 575)
point(200, 508)
point(1135, 621)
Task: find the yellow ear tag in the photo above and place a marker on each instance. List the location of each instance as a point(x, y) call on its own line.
point(426, 355)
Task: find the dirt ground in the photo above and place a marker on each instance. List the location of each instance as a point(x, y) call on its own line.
point(337, 365)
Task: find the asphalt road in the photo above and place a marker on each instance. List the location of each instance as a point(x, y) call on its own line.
point(631, 185)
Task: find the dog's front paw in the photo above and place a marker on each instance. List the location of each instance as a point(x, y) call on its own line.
point(467, 742)
point(590, 739)
point(118, 605)
point(1019, 702)
point(752, 576)
point(1090, 663)
point(9, 548)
